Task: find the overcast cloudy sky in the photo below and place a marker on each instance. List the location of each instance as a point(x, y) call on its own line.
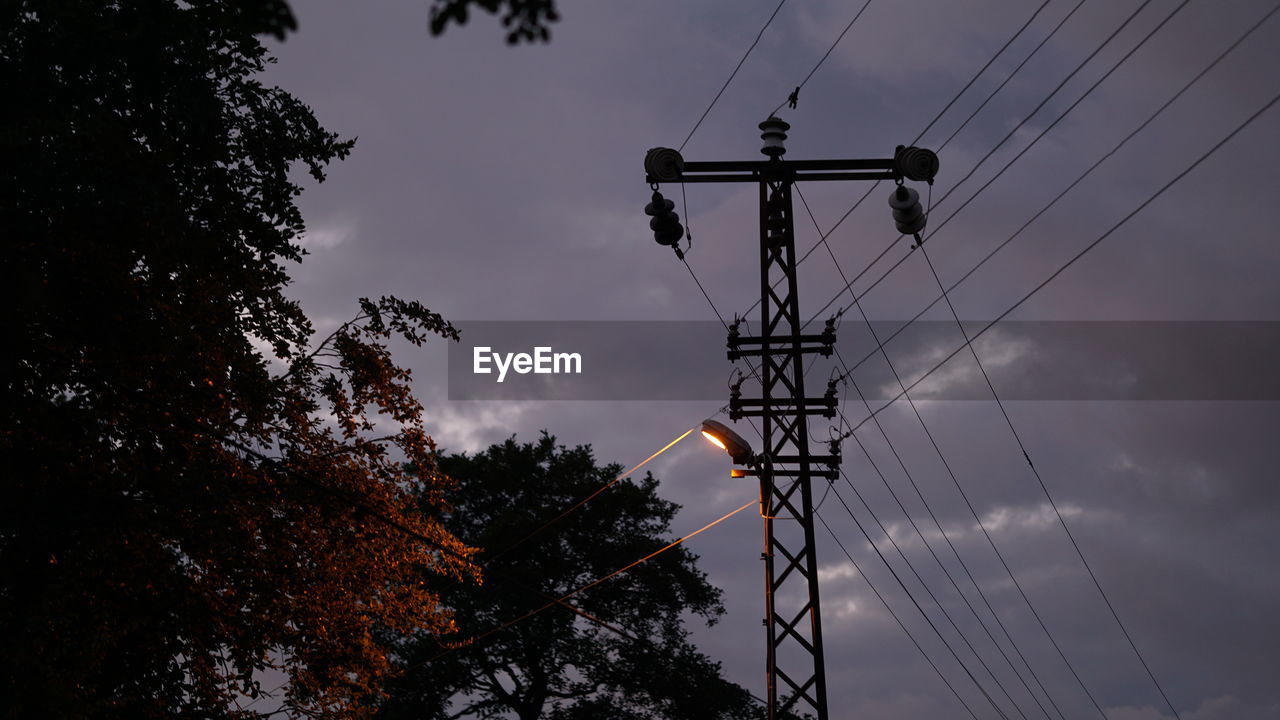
point(505, 183)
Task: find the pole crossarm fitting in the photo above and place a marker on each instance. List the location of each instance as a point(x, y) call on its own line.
point(754, 171)
point(818, 407)
point(828, 460)
point(756, 472)
point(823, 349)
point(739, 414)
point(911, 163)
point(756, 339)
point(780, 405)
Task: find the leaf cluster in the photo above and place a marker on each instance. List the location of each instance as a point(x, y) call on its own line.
point(526, 20)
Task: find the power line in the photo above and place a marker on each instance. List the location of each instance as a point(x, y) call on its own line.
point(956, 482)
point(704, 292)
point(1044, 488)
point(1009, 421)
point(839, 37)
point(925, 585)
point(1056, 120)
point(897, 619)
point(1010, 77)
point(1063, 83)
point(962, 125)
point(925, 541)
point(1062, 268)
point(957, 96)
point(935, 119)
point(964, 566)
point(914, 602)
point(1019, 155)
point(1028, 117)
point(1141, 126)
point(821, 703)
point(969, 341)
point(1047, 494)
point(728, 80)
point(983, 69)
point(1109, 73)
point(1044, 627)
point(714, 309)
point(1051, 278)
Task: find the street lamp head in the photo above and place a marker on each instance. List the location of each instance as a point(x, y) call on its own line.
point(726, 439)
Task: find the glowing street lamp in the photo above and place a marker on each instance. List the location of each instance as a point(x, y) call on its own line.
point(723, 437)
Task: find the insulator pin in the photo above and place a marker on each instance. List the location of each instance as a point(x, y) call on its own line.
point(915, 163)
point(663, 164)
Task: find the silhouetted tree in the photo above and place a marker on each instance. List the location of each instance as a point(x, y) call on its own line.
point(555, 664)
point(191, 491)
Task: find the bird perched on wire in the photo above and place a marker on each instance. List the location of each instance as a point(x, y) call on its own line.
point(793, 98)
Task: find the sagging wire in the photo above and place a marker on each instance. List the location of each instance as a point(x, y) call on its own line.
point(688, 225)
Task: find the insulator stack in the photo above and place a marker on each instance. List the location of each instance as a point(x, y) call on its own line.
point(774, 133)
point(665, 224)
point(907, 213)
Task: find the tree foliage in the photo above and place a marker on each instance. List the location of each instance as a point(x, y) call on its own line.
point(555, 664)
point(526, 20)
point(193, 489)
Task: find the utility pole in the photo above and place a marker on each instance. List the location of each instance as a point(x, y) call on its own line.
point(786, 467)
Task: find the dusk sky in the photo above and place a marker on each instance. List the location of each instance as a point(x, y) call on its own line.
point(499, 183)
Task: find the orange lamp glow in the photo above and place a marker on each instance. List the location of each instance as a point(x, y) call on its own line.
point(714, 440)
point(726, 439)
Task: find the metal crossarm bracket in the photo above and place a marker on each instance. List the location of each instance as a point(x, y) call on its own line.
point(792, 171)
point(823, 349)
